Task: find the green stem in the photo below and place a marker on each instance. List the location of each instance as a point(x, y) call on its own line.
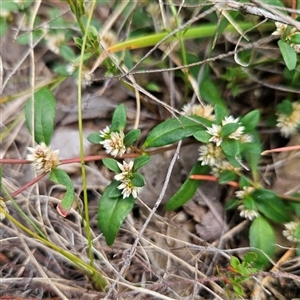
point(80, 128)
point(191, 33)
point(89, 270)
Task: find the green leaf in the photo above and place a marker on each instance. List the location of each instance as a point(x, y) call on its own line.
point(234, 262)
point(295, 38)
point(288, 53)
point(111, 164)
point(226, 176)
point(188, 188)
point(221, 112)
point(118, 122)
point(116, 193)
point(230, 147)
point(3, 26)
point(228, 129)
point(231, 204)
point(131, 137)
point(249, 258)
point(44, 114)
point(249, 203)
point(173, 130)
point(262, 236)
point(67, 53)
point(210, 93)
point(112, 212)
point(285, 107)
point(297, 232)
point(271, 205)
point(202, 136)
point(138, 180)
point(95, 138)
point(140, 162)
point(250, 120)
point(61, 177)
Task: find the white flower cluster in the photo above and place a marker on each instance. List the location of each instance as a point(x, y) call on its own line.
point(290, 230)
point(205, 111)
point(43, 158)
point(281, 29)
point(211, 153)
point(54, 41)
point(288, 124)
point(245, 212)
point(125, 178)
point(113, 142)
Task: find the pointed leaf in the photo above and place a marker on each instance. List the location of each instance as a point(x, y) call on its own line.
point(288, 53)
point(227, 176)
point(271, 205)
point(131, 137)
point(140, 162)
point(262, 236)
point(250, 120)
point(118, 122)
point(228, 129)
point(61, 177)
point(221, 112)
point(202, 136)
point(43, 115)
point(174, 130)
point(188, 189)
point(230, 147)
point(112, 212)
point(111, 164)
point(138, 180)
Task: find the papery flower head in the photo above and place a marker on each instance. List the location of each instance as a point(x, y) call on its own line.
point(204, 111)
point(215, 132)
point(288, 124)
point(126, 170)
point(247, 191)
point(246, 213)
point(280, 29)
point(54, 41)
point(290, 230)
point(3, 209)
point(43, 158)
point(129, 189)
point(221, 166)
point(114, 142)
point(210, 154)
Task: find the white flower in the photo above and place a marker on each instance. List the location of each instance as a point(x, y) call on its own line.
point(43, 158)
point(215, 132)
point(54, 41)
point(223, 166)
point(288, 124)
point(280, 29)
point(249, 214)
point(126, 169)
point(246, 138)
point(210, 154)
point(290, 230)
point(114, 145)
point(105, 133)
point(129, 189)
point(205, 111)
point(230, 119)
point(3, 208)
point(247, 190)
